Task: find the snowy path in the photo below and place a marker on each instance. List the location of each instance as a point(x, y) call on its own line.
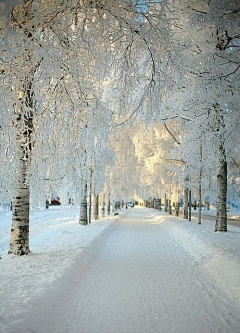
point(134, 278)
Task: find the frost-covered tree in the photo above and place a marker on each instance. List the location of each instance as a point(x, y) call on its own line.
point(56, 60)
point(205, 67)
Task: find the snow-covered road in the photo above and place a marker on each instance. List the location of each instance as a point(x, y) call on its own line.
point(134, 278)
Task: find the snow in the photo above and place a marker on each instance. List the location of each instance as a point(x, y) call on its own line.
point(56, 239)
point(142, 271)
point(233, 214)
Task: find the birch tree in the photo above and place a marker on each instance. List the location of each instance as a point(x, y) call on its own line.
point(44, 88)
point(205, 93)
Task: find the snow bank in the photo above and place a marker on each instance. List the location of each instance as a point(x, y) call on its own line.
point(218, 254)
point(56, 238)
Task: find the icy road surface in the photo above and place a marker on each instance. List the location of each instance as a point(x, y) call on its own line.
point(135, 277)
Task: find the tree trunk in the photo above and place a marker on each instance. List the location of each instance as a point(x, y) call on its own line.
point(176, 209)
point(109, 205)
point(169, 207)
point(165, 203)
point(90, 197)
point(116, 208)
point(200, 203)
point(190, 205)
point(103, 205)
point(200, 189)
point(19, 242)
point(95, 206)
point(195, 205)
point(154, 203)
point(185, 203)
point(83, 212)
point(151, 203)
point(221, 217)
point(160, 204)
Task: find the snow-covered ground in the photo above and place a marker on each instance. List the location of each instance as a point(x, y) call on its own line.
point(232, 213)
point(142, 271)
point(56, 239)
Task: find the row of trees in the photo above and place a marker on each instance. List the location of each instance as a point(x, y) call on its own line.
point(75, 72)
point(67, 69)
point(191, 131)
point(154, 164)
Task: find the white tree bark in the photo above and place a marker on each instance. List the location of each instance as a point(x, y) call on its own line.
point(165, 203)
point(151, 203)
point(169, 207)
point(95, 206)
point(83, 210)
point(116, 207)
point(200, 189)
point(190, 204)
point(103, 205)
point(90, 197)
point(221, 217)
point(19, 242)
point(176, 209)
point(185, 203)
point(200, 200)
point(109, 205)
